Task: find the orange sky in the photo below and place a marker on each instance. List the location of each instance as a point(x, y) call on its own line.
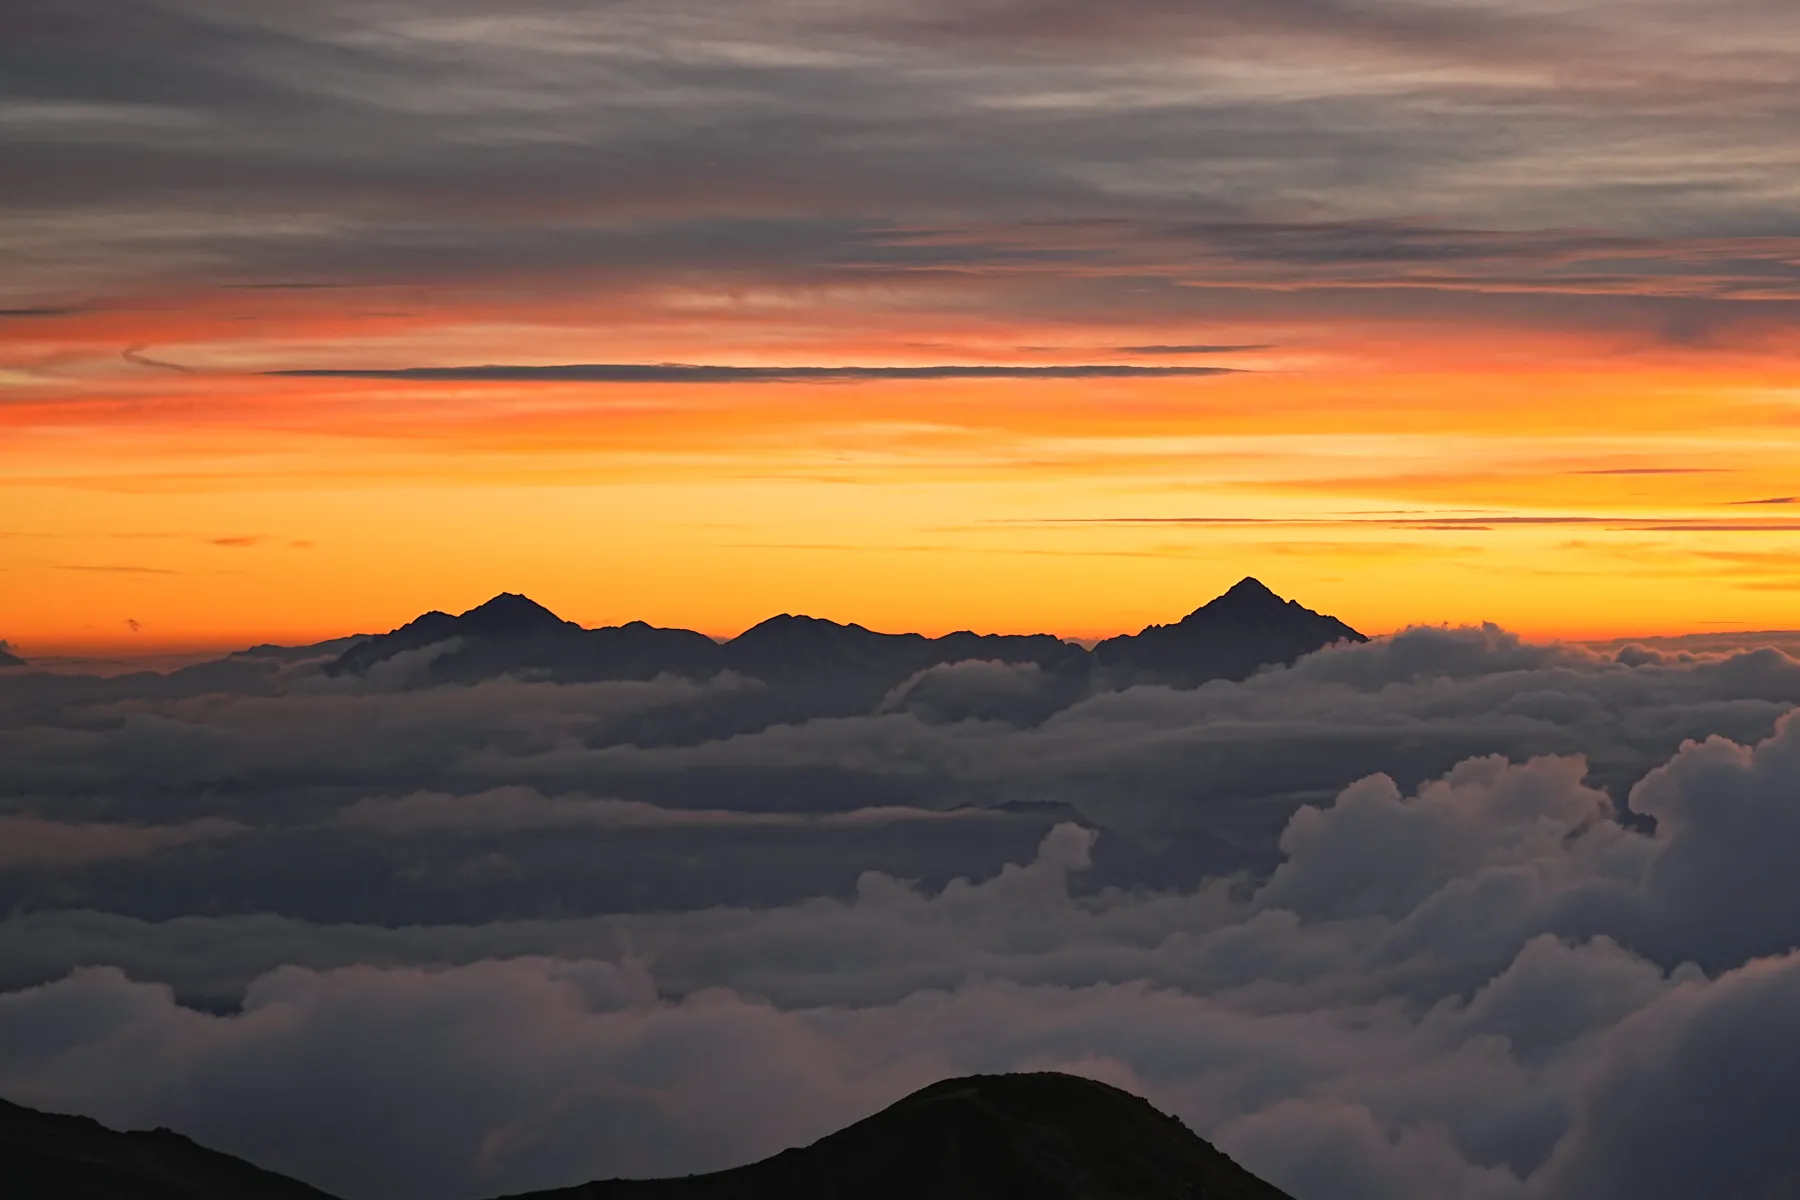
point(1559, 483)
point(1509, 302)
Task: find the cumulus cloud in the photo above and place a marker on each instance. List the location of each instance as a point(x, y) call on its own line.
point(1483, 911)
point(1187, 784)
point(1687, 1096)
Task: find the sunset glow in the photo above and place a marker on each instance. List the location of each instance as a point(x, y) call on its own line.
point(899, 598)
point(1552, 410)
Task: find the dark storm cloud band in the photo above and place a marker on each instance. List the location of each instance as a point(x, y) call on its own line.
point(694, 373)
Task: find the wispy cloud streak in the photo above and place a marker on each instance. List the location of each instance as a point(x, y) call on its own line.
point(695, 373)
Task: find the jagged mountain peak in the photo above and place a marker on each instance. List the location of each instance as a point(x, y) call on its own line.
point(1246, 628)
point(1247, 594)
point(510, 612)
point(1230, 637)
point(1251, 587)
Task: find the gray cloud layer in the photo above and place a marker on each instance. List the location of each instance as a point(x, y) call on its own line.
point(1620, 164)
point(1424, 1032)
point(1447, 914)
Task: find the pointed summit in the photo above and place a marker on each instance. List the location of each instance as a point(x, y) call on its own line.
point(1246, 595)
point(510, 615)
point(506, 618)
point(1250, 585)
point(823, 666)
point(1230, 637)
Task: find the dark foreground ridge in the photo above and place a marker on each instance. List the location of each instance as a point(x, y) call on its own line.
point(8, 658)
point(48, 1157)
point(989, 1137)
point(841, 667)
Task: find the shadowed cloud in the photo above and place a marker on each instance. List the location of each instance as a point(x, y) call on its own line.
point(1381, 884)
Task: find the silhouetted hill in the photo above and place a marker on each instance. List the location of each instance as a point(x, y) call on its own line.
point(790, 645)
point(48, 1157)
point(1247, 628)
point(840, 665)
point(507, 617)
point(512, 633)
point(8, 658)
point(849, 668)
point(989, 1137)
point(817, 667)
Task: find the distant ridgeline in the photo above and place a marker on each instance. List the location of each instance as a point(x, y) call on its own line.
point(843, 666)
point(989, 1137)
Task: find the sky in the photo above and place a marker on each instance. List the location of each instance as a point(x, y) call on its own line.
point(1469, 323)
point(1015, 315)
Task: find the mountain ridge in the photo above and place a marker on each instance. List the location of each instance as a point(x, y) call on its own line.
point(57, 1157)
point(1230, 637)
point(1045, 1135)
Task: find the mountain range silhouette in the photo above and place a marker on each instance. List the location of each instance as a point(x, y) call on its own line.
point(1041, 1136)
point(848, 666)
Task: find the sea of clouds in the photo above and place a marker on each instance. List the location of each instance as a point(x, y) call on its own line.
point(1445, 915)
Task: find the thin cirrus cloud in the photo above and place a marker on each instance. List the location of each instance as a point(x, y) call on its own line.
point(1194, 349)
point(693, 373)
point(1411, 200)
point(1448, 522)
point(1408, 888)
point(1651, 471)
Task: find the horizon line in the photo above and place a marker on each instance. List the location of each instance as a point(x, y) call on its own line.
point(137, 649)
